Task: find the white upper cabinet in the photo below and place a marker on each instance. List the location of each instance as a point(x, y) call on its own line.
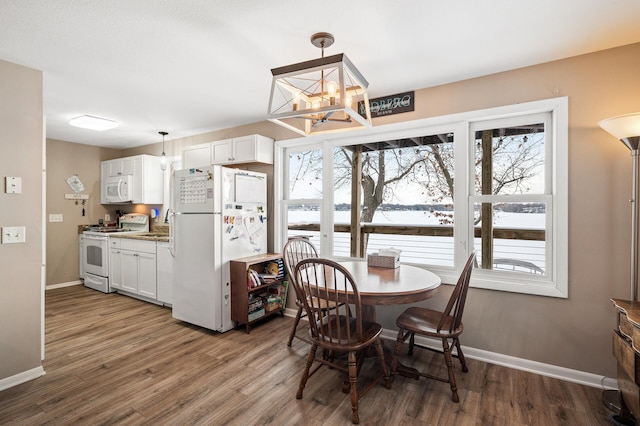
point(121, 167)
point(196, 156)
point(222, 152)
point(144, 173)
point(245, 149)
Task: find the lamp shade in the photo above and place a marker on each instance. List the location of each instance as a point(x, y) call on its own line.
point(624, 127)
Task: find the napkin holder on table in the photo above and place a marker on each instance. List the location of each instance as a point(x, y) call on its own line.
point(386, 258)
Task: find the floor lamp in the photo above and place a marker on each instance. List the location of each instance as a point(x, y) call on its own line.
point(627, 129)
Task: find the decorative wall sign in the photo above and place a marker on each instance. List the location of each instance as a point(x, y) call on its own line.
point(387, 105)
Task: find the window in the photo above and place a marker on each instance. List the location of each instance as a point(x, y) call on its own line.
point(405, 198)
point(492, 180)
point(303, 194)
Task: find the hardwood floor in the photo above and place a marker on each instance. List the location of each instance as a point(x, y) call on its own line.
point(111, 359)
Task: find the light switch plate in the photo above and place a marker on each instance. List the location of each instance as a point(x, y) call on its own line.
point(13, 185)
point(13, 234)
point(55, 218)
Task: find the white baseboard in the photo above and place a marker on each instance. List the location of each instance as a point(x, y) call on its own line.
point(19, 378)
point(548, 370)
point(60, 285)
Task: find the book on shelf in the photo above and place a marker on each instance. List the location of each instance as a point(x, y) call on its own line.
point(268, 278)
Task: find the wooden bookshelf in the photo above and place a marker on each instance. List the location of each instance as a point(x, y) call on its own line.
point(241, 294)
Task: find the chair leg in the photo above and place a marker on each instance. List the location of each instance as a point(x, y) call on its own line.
point(305, 375)
point(295, 325)
point(411, 343)
point(396, 352)
point(463, 362)
point(353, 381)
point(383, 364)
point(452, 378)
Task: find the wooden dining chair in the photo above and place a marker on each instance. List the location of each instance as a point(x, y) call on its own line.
point(295, 250)
point(444, 325)
point(324, 282)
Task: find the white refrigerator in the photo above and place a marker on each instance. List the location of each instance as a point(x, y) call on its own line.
point(219, 215)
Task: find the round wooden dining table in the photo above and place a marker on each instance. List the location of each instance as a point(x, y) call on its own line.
point(390, 286)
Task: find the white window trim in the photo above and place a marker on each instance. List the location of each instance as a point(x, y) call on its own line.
point(556, 284)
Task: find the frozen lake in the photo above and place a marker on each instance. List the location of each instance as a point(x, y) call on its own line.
point(432, 250)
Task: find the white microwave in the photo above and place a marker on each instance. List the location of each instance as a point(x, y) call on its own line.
point(118, 189)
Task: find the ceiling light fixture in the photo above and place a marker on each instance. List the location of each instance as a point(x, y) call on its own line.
point(93, 123)
point(163, 157)
point(322, 95)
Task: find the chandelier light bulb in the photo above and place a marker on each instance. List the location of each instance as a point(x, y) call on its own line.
point(296, 100)
point(332, 88)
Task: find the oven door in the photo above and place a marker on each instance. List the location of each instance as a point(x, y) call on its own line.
point(96, 255)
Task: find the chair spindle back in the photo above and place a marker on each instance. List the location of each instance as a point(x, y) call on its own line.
point(324, 282)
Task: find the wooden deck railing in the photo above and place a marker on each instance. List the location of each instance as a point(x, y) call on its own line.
point(428, 231)
point(487, 261)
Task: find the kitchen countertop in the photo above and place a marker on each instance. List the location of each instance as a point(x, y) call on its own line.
point(147, 236)
point(158, 233)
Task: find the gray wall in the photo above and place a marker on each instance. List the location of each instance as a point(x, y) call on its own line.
point(21, 141)
point(63, 160)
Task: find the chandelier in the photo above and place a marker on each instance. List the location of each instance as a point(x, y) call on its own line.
point(322, 95)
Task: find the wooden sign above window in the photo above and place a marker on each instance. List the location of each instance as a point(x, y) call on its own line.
point(387, 105)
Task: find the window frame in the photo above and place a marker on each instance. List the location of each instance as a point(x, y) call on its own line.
point(554, 284)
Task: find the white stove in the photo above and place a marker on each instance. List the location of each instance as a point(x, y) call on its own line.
point(130, 222)
point(96, 253)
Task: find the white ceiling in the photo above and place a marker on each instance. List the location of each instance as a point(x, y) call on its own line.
point(193, 66)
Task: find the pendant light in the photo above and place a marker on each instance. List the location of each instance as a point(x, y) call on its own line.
point(163, 157)
point(322, 95)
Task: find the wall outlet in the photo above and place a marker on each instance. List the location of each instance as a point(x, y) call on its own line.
point(13, 185)
point(13, 234)
point(55, 218)
point(107, 217)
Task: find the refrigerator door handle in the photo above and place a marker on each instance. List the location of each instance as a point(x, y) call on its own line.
point(172, 244)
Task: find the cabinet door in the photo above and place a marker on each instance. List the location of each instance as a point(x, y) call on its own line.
point(164, 275)
point(222, 152)
point(115, 167)
point(104, 174)
point(129, 268)
point(244, 149)
point(147, 275)
point(115, 269)
point(81, 256)
point(196, 156)
point(128, 166)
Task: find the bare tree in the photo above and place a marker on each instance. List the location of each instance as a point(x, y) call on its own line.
point(426, 164)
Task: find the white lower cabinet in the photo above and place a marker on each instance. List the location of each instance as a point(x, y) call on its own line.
point(133, 267)
point(147, 285)
point(115, 269)
point(165, 274)
point(81, 256)
point(115, 264)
